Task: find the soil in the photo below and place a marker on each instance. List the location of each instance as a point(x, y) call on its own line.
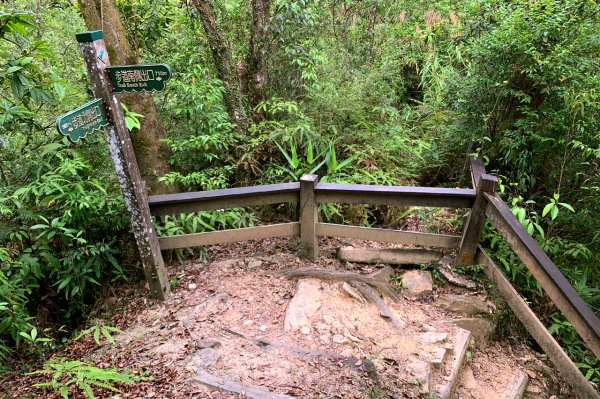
point(225, 317)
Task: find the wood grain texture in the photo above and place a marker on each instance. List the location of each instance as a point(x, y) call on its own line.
point(477, 170)
point(394, 195)
point(308, 217)
point(171, 204)
point(225, 384)
point(538, 331)
point(474, 226)
point(386, 235)
point(227, 236)
point(128, 174)
point(556, 286)
point(389, 256)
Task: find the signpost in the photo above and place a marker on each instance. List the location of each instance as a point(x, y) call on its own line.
point(136, 78)
point(91, 116)
point(82, 121)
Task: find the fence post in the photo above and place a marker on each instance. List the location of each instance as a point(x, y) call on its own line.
point(308, 217)
point(474, 226)
point(136, 201)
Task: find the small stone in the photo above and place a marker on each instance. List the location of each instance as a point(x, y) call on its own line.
point(254, 263)
point(324, 339)
point(248, 322)
point(305, 330)
point(347, 352)
point(481, 329)
point(328, 319)
point(339, 339)
point(434, 337)
point(417, 283)
point(303, 305)
point(466, 305)
point(192, 286)
point(206, 357)
point(321, 327)
point(351, 337)
point(468, 379)
point(263, 328)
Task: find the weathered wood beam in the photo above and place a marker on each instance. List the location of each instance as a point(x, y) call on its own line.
point(308, 217)
point(556, 286)
point(247, 391)
point(96, 60)
point(227, 236)
point(538, 331)
point(387, 235)
point(477, 170)
point(474, 226)
point(223, 199)
point(394, 195)
point(390, 256)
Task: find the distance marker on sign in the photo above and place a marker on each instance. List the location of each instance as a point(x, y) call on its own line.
point(137, 78)
point(82, 121)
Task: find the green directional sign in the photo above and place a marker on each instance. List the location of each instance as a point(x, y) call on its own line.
point(129, 78)
point(82, 121)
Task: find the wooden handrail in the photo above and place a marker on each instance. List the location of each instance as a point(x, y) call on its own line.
point(222, 199)
point(556, 286)
point(477, 170)
point(395, 195)
point(538, 331)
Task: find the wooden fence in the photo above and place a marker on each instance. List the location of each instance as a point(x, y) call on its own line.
point(483, 202)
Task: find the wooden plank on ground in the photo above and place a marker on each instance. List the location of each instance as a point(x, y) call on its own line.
point(387, 235)
point(169, 204)
point(395, 195)
point(556, 286)
point(227, 236)
point(556, 354)
point(389, 256)
point(246, 390)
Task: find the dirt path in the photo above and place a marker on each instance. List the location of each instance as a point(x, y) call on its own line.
point(226, 322)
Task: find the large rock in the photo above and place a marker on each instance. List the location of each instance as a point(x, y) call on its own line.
point(303, 305)
point(465, 305)
point(481, 329)
point(417, 283)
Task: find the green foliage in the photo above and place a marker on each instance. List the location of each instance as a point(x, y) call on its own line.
point(366, 92)
point(65, 374)
point(98, 329)
point(132, 119)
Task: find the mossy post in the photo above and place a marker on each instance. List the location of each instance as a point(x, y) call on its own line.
point(96, 59)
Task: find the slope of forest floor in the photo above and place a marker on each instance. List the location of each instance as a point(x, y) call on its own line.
point(226, 318)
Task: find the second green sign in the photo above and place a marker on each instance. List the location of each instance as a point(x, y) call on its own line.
point(130, 78)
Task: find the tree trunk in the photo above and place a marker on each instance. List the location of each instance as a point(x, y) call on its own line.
point(256, 72)
point(150, 152)
point(226, 69)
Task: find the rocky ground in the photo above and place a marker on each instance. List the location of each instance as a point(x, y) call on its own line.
point(235, 327)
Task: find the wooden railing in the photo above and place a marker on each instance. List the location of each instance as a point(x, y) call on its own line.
point(310, 193)
point(489, 206)
point(484, 205)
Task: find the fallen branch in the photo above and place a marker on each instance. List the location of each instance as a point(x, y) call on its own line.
point(384, 309)
point(446, 270)
point(232, 386)
point(335, 275)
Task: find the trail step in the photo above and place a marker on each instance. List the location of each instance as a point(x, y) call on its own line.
point(460, 348)
point(516, 388)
